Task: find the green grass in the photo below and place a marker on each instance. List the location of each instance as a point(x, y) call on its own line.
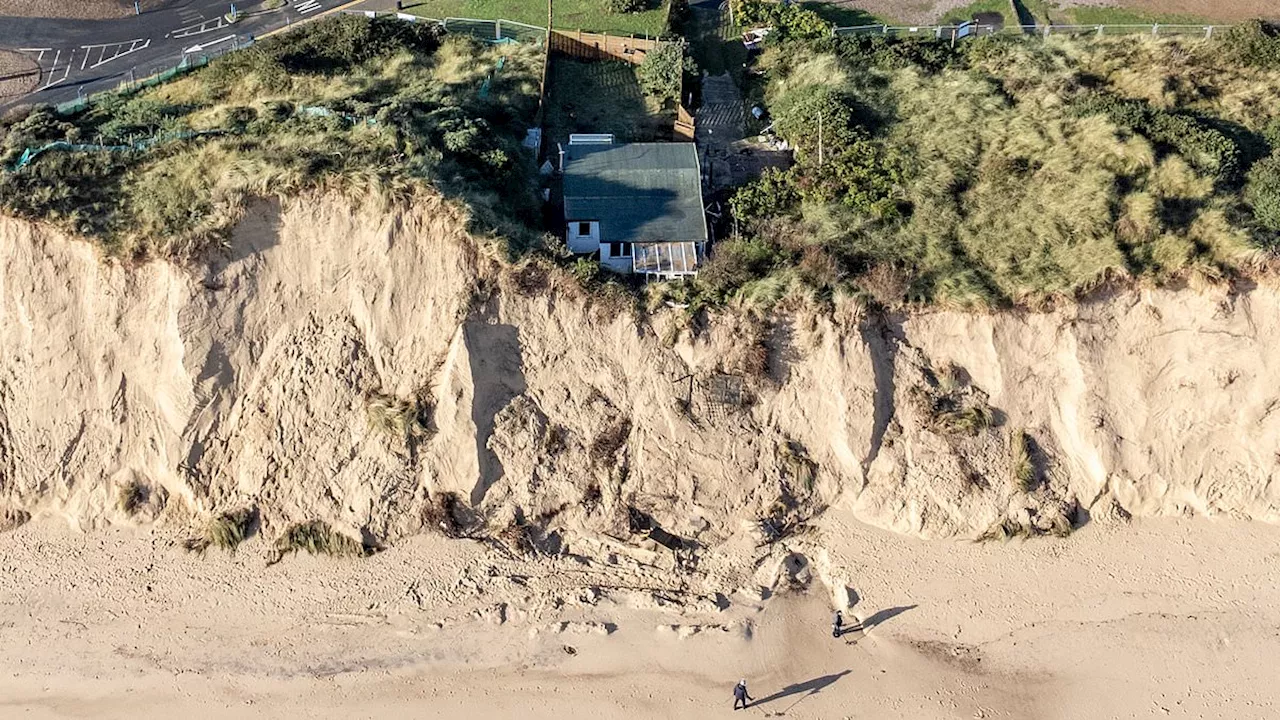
point(1102, 15)
point(588, 15)
point(845, 16)
point(966, 13)
point(587, 96)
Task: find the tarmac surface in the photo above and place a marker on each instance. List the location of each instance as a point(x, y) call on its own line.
point(81, 57)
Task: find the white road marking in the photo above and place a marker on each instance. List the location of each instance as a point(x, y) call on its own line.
point(53, 78)
point(116, 50)
point(306, 6)
point(199, 28)
point(205, 46)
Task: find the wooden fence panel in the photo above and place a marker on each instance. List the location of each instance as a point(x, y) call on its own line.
point(601, 46)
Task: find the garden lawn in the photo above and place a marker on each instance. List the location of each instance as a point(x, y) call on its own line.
point(602, 97)
point(588, 15)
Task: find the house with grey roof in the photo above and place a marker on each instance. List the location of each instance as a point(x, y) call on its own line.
point(638, 204)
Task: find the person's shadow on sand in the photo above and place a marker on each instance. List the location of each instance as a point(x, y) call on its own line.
point(871, 622)
point(804, 690)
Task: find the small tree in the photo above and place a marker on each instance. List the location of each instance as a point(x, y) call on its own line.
point(806, 114)
point(663, 69)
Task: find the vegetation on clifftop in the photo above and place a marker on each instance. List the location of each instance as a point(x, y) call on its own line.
point(1008, 170)
point(375, 107)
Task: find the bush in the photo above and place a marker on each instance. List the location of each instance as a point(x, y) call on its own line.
point(1262, 191)
point(133, 495)
point(773, 193)
point(863, 175)
point(1271, 133)
point(735, 263)
point(397, 417)
point(787, 20)
point(1208, 150)
point(625, 6)
point(802, 114)
point(663, 70)
point(1254, 43)
point(891, 53)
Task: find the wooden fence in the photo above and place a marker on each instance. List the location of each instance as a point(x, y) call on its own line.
point(600, 46)
point(685, 126)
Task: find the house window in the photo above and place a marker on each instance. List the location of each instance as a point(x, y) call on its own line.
point(620, 249)
point(584, 229)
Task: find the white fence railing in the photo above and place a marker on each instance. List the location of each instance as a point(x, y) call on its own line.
point(946, 32)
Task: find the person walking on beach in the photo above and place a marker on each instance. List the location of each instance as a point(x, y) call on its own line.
point(740, 695)
point(837, 625)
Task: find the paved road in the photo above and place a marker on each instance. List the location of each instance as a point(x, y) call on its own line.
point(86, 56)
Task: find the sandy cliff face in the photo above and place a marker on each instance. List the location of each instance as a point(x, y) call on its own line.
point(256, 382)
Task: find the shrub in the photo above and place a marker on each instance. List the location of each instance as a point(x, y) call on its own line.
point(610, 440)
point(662, 72)
point(1255, 43)
point(1208, 150)
point(891, 53)
point(237, 117)
point(625, 6)
point(1262, 191)
point(803, 114)
point(787, 20)
point(962, 420)
point(1271, 133)
point(397, 417)
point(773, 193)
point(863, 175)
point(735, 263)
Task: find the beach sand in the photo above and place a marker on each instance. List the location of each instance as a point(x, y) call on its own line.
point(1162, 618)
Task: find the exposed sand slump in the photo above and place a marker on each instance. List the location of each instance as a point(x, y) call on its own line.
point(256, 381)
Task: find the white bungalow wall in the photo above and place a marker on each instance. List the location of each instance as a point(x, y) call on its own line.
point(619, 264)
point(580, 243)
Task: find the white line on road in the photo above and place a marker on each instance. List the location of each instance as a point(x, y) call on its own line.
point(205, 46)
point(199, 28)
point(117, 49)
point(306, 6)
point(53, 78)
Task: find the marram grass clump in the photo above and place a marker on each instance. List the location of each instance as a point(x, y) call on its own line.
point(225, 531)
point(318, 538)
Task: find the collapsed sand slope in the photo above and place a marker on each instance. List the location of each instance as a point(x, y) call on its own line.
point(254, 382)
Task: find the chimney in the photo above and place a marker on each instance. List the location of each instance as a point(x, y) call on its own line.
point(561, 157)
